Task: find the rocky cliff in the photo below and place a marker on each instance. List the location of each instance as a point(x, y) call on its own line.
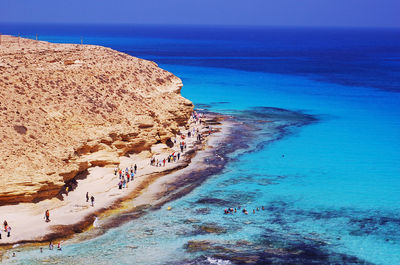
point(66, 107)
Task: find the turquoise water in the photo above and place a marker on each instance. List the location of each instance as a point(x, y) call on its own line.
point(330, 188)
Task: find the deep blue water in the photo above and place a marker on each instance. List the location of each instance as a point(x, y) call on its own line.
point(333, 195)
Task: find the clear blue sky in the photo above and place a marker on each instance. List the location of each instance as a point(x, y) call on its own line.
point(353, 13)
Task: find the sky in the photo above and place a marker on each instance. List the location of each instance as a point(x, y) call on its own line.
point(315, 13)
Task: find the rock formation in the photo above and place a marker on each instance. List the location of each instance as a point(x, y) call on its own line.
point(66, 107)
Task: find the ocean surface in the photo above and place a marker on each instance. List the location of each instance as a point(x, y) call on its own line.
point(328, 178)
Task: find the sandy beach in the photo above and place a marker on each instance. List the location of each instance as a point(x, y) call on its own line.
point(73, 214)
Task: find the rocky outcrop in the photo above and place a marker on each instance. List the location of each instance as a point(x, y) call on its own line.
point(66, 107)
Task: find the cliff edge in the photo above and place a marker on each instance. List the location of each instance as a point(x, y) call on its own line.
point(66, 107)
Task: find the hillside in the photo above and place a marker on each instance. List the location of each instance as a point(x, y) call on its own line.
point(66, 107)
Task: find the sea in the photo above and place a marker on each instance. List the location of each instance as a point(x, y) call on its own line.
point(324, 183)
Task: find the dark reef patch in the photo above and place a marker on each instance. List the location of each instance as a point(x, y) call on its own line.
point(214, 201)
point(269, 249)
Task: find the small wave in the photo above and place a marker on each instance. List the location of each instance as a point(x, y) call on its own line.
point(218, 261)
point(16, 245)
point(96, 222)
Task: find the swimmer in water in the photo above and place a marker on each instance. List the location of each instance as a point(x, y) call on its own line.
point(254, 211)
point(262, 208)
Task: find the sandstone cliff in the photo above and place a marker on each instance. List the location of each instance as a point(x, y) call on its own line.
point(66, 107)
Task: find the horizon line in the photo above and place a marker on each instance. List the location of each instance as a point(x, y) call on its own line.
point(198, 25)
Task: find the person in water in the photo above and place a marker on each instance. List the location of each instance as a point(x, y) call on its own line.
point(51, 245)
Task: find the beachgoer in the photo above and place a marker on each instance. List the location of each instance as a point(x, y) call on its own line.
point(0, 233)
point(132, 176)
point(254, 211)
point(115, 171)
point(164, 162)
point(262, 208)
point(8, 231)
point(135, 168)
point(66, 190)
point(41, 250)
point(87, 196)
point(5, 225)
point(179, 155)
point(13, 254)
point(59, 246)
point(120, 185)
point(92, 200)
point(51, 245)
point(47, 215)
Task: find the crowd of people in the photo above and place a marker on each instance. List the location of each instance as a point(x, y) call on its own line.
point(125, 176)
point(234, 210)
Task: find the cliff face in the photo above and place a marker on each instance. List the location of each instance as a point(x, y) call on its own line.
point(65, 107)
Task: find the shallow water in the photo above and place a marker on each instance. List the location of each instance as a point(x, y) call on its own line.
point(329, 182)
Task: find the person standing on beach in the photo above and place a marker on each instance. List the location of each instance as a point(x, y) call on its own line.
point(5, 225)
point(135, 168)
point(47, 215)
point(0, 233)
point(8, 231)
point(87, 196)
point(92, 200)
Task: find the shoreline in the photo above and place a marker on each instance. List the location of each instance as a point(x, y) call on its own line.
point(144, 190)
